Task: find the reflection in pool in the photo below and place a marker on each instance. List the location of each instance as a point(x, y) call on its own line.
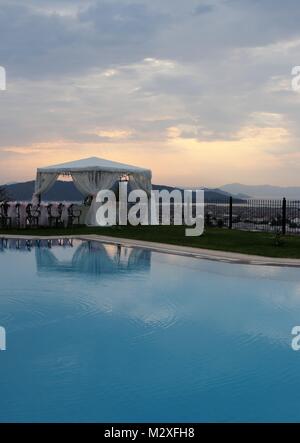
point(94, 258)
point(99, 332)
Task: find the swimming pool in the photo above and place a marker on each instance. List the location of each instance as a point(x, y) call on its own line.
point(99, 332)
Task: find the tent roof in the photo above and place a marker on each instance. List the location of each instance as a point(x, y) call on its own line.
point(93, 164)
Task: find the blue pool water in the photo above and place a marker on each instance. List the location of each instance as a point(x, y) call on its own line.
point(112, 334)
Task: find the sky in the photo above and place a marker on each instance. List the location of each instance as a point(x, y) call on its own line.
point(198, 91)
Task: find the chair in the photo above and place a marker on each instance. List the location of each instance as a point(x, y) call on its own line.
point(13, 213)
point(5, 220)
point(74, 214)
point(32, 215)
point(55, 215)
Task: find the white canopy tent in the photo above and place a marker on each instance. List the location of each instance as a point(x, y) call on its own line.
point(90, 175)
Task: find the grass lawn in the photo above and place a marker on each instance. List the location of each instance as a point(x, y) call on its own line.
point(257, 243)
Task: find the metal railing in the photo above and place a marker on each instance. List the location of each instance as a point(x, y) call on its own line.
point(279, 216)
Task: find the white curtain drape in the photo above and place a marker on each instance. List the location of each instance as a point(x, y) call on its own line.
point(43, 182)
point(141, 181)
point(90, 183)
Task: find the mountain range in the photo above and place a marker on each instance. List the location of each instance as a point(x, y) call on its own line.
point(66, 191)
point(262, 191)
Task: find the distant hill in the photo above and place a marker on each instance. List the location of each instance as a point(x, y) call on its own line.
point(62, 190)
point(66, 191)
point(210, 195)
point(263, 191)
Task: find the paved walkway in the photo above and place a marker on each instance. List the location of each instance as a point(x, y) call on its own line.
point(208, 254)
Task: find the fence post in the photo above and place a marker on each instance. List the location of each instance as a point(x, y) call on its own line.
point(283, 216)
point(230, 212)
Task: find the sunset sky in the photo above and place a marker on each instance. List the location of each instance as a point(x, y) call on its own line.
point(198, 91)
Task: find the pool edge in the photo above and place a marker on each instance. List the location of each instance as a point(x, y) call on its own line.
point(200, 253)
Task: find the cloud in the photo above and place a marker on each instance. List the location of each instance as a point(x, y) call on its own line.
point(203, 9)
point(44, 42)
point(150, 73)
